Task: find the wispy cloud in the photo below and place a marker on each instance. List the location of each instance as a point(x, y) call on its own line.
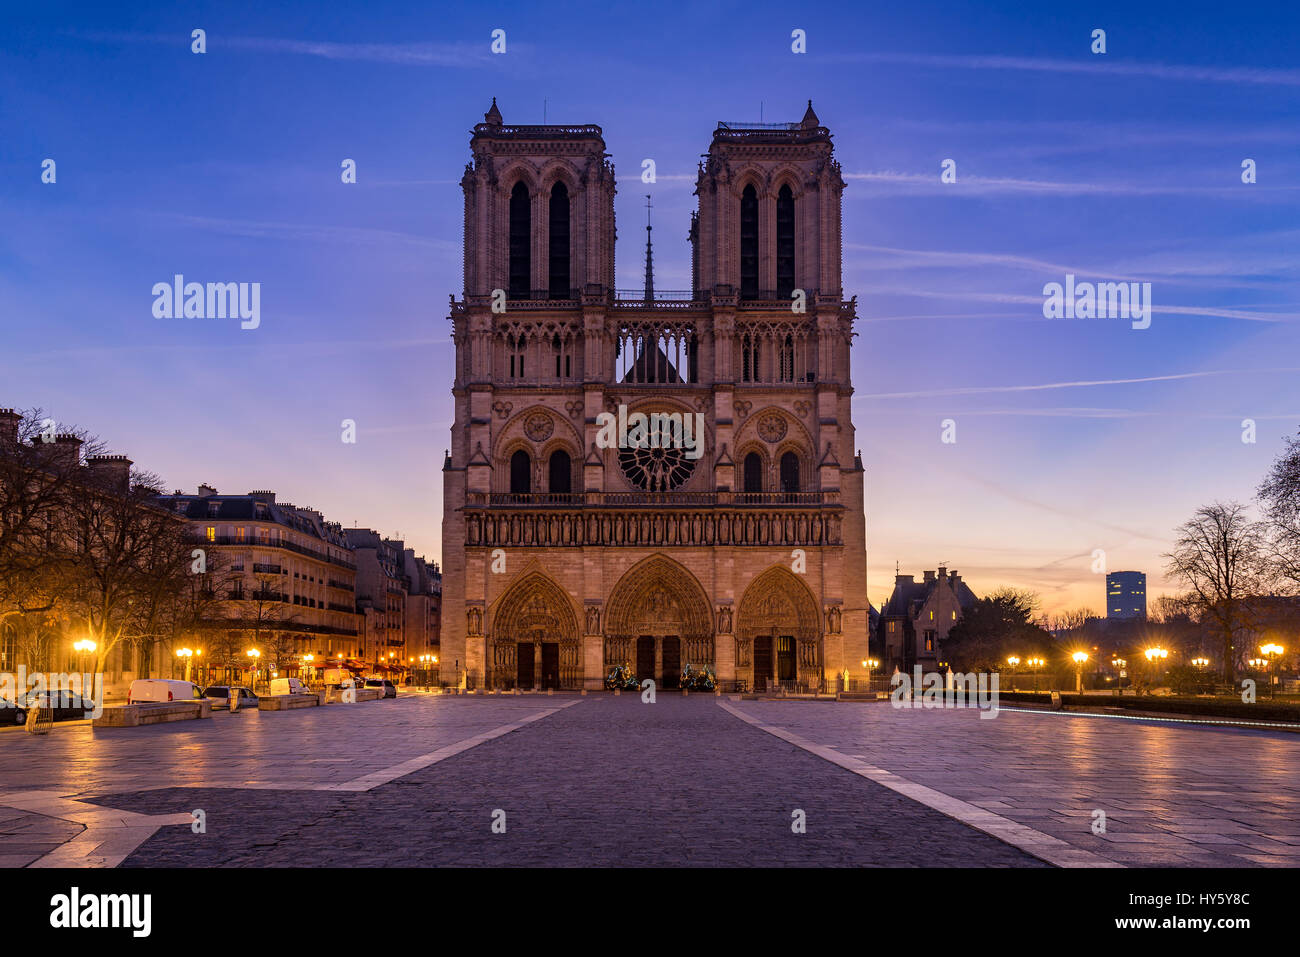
point(971, 185)
point(1016, 299)
point(936, 258)
point(1216, 268)
point(412, 54)
point(1074, 384)
point(1096, 66)
point(256, 229)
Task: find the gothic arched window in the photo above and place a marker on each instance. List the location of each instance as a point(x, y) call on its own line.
point(750, 355)
point(521, 237)
point(559, 251)
point(521, 473)
point(787, 359)
point(749, 243)
point(561, 469)
point(515, 348)
point(753, 472)
point(789, 473)
point(785, 242)
point(563, 357)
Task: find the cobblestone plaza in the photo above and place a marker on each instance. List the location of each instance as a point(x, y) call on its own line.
point(610, 780)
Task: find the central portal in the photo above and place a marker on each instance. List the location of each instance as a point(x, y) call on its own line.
point(656, 612)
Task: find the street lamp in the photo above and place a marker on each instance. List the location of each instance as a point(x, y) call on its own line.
point(83, 647)
point(253, 655)
point(1012, 662)
point(1155, 655)
point(1035, 663)
point(1079, 658)
point(188, 655)
point(1271, 653)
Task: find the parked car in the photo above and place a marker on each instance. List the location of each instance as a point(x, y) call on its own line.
point(388, 688)
point(162, 689)
point(219, 695)
point(10, 713)
point(288, 686)
point(69, 707)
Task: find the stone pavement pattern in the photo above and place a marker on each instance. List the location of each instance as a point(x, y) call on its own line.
point(1174, 795)
point(606, 780)
point(610, 781)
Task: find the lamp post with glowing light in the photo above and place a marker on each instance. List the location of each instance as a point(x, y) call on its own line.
point(1272, 653)
point(1036, 664)
point(83, 647)
point(1079, 658)
point(1154, 655)
point(186, 655)
point(253, 656)
point(1012, 661)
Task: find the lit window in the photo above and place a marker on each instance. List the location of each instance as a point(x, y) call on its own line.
point(212, 533)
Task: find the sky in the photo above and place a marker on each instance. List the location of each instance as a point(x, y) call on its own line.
point(1072, 435)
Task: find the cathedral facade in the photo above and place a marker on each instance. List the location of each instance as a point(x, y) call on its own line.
point(566, 554)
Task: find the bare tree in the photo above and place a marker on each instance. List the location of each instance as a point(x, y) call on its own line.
point(1069, 621)
point(39, 475)
point(1219, 558)
point(1279, 494)
point(126, 553)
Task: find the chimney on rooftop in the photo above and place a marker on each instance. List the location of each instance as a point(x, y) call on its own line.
point(67, 450)
point(9, 420)
point(206, 491)
point(929, 576)
point(114, 471)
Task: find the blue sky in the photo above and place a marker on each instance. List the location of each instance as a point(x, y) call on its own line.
point(225, 166)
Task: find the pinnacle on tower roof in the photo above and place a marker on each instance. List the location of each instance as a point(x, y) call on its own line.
point(810, 121)
point(493, 115)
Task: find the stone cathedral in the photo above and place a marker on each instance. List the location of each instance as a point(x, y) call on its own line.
point(565, 556)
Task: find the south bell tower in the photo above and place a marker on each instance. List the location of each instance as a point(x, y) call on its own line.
point(564, 558)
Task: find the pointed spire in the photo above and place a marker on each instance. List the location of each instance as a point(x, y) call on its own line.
point(493, 116)
point(649, 256)
point(810, 121)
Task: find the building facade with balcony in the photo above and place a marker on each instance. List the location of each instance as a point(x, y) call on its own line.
point(423, 612)
point(565, 554)
point(285, 579)
point(382, 594)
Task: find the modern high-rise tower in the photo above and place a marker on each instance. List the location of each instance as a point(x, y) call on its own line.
point(1126, 595)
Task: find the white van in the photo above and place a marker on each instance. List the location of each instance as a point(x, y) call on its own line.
point(288, 686)
point(162, 689)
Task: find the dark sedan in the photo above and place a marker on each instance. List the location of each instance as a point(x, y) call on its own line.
point(66, 707)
